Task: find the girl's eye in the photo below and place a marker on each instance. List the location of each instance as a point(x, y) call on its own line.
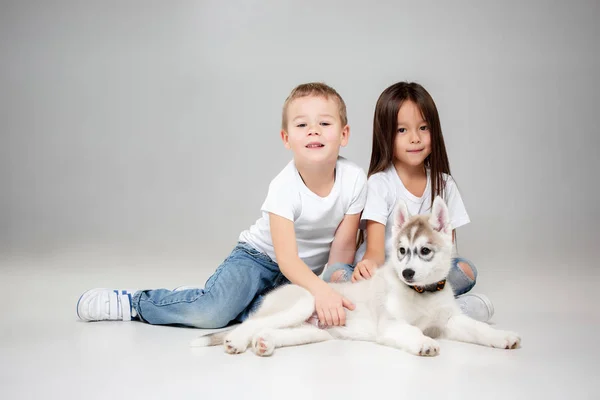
point(325, 123)
point(402, 130)
point(300, 125)
point(424, 128)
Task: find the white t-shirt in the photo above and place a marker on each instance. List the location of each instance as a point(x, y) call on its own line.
point(384, 190)
point(315, 218)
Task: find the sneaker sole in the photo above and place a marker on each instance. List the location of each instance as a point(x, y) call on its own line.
point(79, 301)
point(487, 303)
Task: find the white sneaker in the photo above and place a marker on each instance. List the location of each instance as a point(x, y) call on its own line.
point(476, 306)
point(106, 305)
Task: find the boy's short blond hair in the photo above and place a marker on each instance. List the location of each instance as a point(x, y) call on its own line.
point(314, 89)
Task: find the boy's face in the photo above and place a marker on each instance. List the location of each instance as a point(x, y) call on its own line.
point(314, 129)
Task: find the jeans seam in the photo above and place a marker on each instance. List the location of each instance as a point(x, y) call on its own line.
point(205, 291)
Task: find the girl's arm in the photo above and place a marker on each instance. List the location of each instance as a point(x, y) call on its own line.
point(343, 247)
point(454, 246)
point(375, 253)
point(329, 304)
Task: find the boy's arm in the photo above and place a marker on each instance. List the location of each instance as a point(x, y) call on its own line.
point(328, 303)
point(343, 247)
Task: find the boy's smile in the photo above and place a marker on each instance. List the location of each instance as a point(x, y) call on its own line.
point(315, 145)
point(314, 132)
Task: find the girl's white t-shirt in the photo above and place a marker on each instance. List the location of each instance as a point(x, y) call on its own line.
point(315, 218)
point(386, 188)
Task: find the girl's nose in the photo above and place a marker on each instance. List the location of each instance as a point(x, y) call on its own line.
point(415, 138)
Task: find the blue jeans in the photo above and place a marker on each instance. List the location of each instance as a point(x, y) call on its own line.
point(234, 291)
point(460, 282)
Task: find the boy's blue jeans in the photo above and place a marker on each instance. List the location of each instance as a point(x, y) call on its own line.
point(460, 282)
point(230, 294)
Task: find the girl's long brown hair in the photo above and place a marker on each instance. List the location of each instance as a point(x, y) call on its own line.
point(385, 126)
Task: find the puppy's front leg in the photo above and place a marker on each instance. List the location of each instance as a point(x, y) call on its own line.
point(407, 337)
point(465, 329)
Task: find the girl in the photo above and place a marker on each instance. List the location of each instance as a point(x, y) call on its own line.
point(409, 162)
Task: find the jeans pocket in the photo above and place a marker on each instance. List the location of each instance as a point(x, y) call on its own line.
point(246, 248)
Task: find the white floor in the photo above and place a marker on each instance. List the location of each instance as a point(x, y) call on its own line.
point(46, 353)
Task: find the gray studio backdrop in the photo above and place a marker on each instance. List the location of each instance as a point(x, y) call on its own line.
point(152, 127)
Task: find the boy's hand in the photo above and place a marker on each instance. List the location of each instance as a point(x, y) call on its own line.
point(364, 270)
point(329, 305)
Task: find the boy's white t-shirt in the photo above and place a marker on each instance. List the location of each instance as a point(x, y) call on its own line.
point(384, 190)
point(315, 218)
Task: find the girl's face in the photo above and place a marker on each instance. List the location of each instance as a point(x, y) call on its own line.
point(413, 140)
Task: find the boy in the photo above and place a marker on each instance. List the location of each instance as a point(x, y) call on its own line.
point(310, 217)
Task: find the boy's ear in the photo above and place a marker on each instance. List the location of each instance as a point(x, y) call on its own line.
point(285, 139)
point(345, 136)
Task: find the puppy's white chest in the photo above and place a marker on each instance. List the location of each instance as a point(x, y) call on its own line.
point(422, 310)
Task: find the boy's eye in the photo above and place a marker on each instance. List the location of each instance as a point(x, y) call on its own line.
point(325, 123)
point(424, 128)
point(402, 130)
point(300, 125)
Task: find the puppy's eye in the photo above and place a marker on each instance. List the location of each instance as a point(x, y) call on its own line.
point(402, 250)
point(425, 251)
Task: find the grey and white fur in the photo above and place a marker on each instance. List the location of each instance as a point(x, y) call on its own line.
point(389, 311)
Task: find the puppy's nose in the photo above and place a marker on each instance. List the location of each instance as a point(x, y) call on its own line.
point(408, 274)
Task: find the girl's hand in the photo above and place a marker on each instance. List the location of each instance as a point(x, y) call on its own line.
point(329, 305)
point(364, 270)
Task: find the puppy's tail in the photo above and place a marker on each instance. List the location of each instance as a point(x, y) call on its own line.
point(212, 339)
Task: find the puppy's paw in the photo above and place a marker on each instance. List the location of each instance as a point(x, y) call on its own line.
point(263, 345)
point(236, 342)
point(426, 347)
point(504, 340)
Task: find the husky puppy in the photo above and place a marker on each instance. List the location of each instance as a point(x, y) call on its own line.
point(404, 305)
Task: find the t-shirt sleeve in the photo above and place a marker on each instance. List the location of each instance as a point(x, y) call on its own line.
point(379, 204)
point(359, 195)
point(458, 213)
point(282, 200)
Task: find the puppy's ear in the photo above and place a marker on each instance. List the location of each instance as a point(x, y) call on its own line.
point(400, 217)
point(440, 218)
